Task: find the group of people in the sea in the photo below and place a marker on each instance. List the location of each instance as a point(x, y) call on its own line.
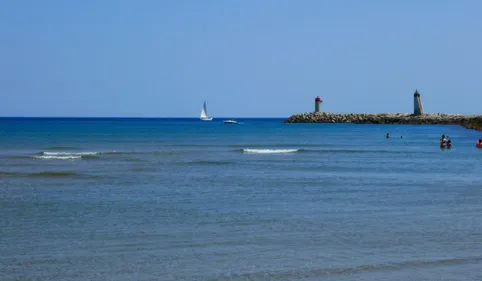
point(446, 142)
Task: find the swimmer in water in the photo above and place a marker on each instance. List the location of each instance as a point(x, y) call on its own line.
point(479, 144)
point(388, 135)
point(443, 141)
point(449, 144)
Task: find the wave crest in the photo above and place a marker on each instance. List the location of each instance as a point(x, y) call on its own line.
point(47, 155)
point(58, 157)
point(269, 151)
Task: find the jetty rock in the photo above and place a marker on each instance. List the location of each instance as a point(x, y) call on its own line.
point(473, 123)
point(468, 121)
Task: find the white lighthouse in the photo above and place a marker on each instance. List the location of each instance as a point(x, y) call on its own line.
point(318, 102)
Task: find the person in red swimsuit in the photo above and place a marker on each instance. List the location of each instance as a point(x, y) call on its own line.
point(479, 144)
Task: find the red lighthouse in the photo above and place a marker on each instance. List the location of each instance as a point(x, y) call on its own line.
point(318, 102)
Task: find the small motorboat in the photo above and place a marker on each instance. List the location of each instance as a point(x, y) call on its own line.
point(230, 122)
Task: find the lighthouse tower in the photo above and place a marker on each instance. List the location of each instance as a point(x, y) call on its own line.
point(417, 104)
point(318, 102)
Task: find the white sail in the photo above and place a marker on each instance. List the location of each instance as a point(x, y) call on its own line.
point(204, 113)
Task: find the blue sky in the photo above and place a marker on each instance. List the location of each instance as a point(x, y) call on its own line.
point(253, 58)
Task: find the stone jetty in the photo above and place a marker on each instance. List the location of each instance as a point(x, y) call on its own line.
point(474, 123)
point(469, 121)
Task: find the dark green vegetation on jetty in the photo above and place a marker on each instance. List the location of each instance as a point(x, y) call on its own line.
point(469, 121)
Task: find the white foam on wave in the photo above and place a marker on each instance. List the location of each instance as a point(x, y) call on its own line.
point(46, 153)
point(269, 151)
point(58, 157)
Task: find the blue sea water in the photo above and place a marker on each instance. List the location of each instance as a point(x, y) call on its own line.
point(183, 199)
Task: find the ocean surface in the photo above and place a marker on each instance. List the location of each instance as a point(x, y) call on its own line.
point(183, 199)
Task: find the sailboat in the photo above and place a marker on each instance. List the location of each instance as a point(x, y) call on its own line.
point(204, 113)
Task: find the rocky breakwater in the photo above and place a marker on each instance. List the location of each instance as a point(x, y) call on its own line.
point(474, 123)
point(382, 118)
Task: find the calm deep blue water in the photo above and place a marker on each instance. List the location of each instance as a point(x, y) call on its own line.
point(183, 199)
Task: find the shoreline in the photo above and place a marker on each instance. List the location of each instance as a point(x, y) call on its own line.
point(468, 121)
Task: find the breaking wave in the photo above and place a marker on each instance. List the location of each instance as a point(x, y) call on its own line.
point(68, 153)
point(269, 151)
point(347, 151)
point(46, 155)
point(87, 155)
point(53, 157)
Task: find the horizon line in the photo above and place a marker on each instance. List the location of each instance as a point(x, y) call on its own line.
point(133, 117)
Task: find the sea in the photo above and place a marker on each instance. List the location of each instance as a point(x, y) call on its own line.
point(183, 199)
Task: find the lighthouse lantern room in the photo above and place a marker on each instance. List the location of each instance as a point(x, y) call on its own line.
point(318, 102)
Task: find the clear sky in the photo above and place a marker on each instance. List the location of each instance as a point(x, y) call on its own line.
point(249, 58)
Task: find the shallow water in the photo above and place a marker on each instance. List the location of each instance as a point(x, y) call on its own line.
point(182, 199)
